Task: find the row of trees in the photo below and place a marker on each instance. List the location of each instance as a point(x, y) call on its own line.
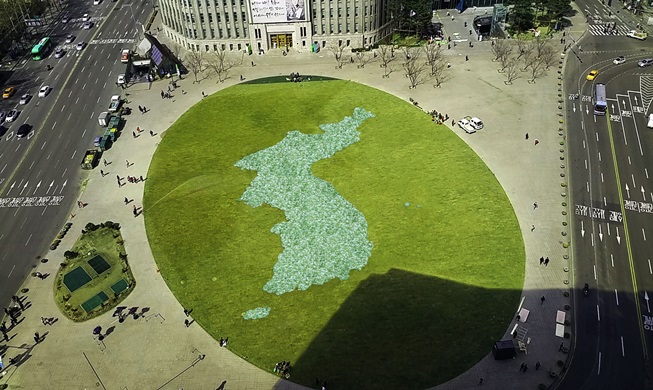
point(524, 12)
point(534, 57)
point(217, 63)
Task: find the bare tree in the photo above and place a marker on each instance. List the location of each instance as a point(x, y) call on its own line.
point(220, 64)
point(338, 54)
point(433, 56)
point(524, 48)
point(548, 56)
point(439, 73)
point(387, 70)
point(529, 59)
point(415, 69)
point(386, 55)
point(511, 71)
point(501, 50)
point(363, 58)
point(196, 63)
point(538, 45)
point(538, 69)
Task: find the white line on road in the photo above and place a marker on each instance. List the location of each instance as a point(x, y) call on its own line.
point(28, 238)
point(73, 156)
point(612, 260)
point(592, 238)
point(83, 133)
point(598, 371)
point(77, 101)
point(629, 161)
point(98, 100)
point(623, 351)
point(602, 181)
point(10, 272)
point(64, 172)
point(32, 164)
point(605, 201)
point(96, 80)
point(70, 93)
point(45, 208)
point(83, 68)
point(63, 108)
point(594, 268)
point(69, 115)
point(105, 86)
point(585, 164)
point(23, 224)
point(587, 185)
point(17, 147)
point(84, 86)
point(644, 234)
point(53, 125)
point(616, 296)
point(646, 172)
point(3, 168)
point(650, 270)
point(76, 81)
point(599, 156)
point(598, 313)
point(633, 176)
point(597, 137)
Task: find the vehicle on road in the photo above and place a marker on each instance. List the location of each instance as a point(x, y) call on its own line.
point(645, 62)
point(80, 46)
point(44, 91)
point(70, 38)
point(476, 123)
point(592, 75)
point(12, 115)
point(3, 116)
point(65, 19)
point(466, 125)
point(23, 130)
point(121, 79)
point(104, 118)
point(85, 18)
point(40, 50)
point(637, 34)
point(8, 92)
point(124, 58)
point(91, 158)
point(87, 25)
point(116, 101)
point(619, 60)
point(59, 52)
point(600, 101)
point(650, 122)
point(25, 98)
point(96, 2)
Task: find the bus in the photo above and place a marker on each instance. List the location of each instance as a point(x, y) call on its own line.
point(600, 102)
point(40, 50)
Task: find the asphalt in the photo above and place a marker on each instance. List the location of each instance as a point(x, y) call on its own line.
point(159, 351)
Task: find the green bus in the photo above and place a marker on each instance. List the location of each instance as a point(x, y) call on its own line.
point(40, 50)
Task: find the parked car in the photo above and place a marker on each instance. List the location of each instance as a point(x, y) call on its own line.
point(645, 62)
point(650, 122)
point(476, 123)
point(85, 18)
point(12, 115)
point(80, 45)
point(637, 34)
point(8, 92)
point(466, 126)
point(619, 60)
point(44, 91)
point(23, 130)
point(25, 98)
point(96, 2)
point(87, 25)
point(121, 79)
point(59, 52)
point(70, 38)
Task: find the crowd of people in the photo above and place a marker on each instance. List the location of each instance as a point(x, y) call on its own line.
point(283, 369)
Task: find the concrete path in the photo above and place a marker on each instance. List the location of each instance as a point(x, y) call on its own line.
point(158, 351)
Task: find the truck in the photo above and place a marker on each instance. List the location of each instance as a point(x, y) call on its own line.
point(637, 34)
point(116, 101)
point(124, 57)
point(91, 158)
point(103, 118)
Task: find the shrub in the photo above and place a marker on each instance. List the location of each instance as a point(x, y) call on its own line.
point(541, 386)
point(69, 255)
point(66, 297)
point(91, 227)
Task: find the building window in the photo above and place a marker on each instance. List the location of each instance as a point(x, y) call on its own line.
point(347, 11)
point(201, 18)
point(231, 46)
point(215, 47)
point(330, 12)
point(228, 32)
point(195, 35)
point(210, 17)
point(237, 33)
point(240, 47)
point(206, 47)
point(339, 28)
point(226, 17)
point(204, 33)
point(223, 46)
point(219, 18)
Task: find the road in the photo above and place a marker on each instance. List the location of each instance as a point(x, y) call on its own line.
point(612, 198)
point(40, 175)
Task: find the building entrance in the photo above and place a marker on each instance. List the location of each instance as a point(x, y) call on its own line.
point(281, 41)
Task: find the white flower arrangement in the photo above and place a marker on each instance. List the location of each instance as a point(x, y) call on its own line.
point(258, 313)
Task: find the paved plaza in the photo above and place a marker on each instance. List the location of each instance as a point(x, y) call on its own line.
point(157, 351)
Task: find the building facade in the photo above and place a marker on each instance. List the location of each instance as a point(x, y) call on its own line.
point(261, 25)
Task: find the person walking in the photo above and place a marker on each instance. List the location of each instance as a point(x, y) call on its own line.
point(541, 258)
point(526, 136)
point(37, 337)
point(134, 134)
point(542, 300)
point(127, 161)
point(126, 200)
point(546, 262)
point(537, 366)
point(151, 133)
point(480, 381)
point(537, 141)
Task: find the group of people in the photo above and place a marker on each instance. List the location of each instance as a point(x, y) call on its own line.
point(438, 117)
point(295, 77)
point(223, 342)
point(283, 368)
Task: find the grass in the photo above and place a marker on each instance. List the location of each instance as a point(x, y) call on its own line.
point(106, 242)
point(445, 274)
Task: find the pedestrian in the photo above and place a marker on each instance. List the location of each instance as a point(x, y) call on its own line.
point(135, 213)
point(43, 320)
point(134, 134)
point(480, 381)
point(526, 136)
point(562, 345)
point(525, 367)
point(542, 300)
point(141, 177)
point(151, 133)
point(534, 205)
point(141, 108)
point(521, 368)
point(126, 200)
point(37, 337)
point(466, 58)
point(3, 327)
point(537, 141)
point(532, 228)
point(541, 260)
point(105, 162)
point(453, 122)
point(186, 312)
point(127, 161)
point(145, 108)
point(102, 173)
point(13, 321)
point(4, 335)
point(80, 204)
point(537, 366)
point(162, 95)
point(203, 95)
point(253, 65)
point(546, 262)
point(186, 322)
point(20, 303)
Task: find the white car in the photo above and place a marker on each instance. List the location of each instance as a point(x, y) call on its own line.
point(25, 98)
point(85, 18)
point(59, 52)
point(645, 62)
point(636, 34)
point(80, 45)
point(65, 19)
point(650, 122)
point(12, 115)
point(44, 91)
point(96, 2)
point(121, 79)
point(466, 126)
point(87, 25)
point(476, 123)
point(70, 38)
point(619, 60)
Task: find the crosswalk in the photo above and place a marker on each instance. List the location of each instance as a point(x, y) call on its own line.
point(600, 29)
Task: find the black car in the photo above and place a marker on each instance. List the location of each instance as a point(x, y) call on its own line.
point(23, 130)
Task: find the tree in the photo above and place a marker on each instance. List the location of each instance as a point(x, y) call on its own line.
point(537, 70)
point(363, 58)
point(386, 55)
point(548, 56)
point(415, 69)
point(338, 54)
point(387, 70)
point(558, 8)
point(220, 64)
point(522, 14)
point(196, 63)
point(501, 49)
point(410, 15)
point(511, 71)
point(439, 73)
point(433, 56)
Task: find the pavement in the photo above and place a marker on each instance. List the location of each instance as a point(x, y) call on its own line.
point(159, 351)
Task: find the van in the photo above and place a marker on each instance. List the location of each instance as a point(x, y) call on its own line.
point(650, 122)
point(125, 56)
point(476, 123)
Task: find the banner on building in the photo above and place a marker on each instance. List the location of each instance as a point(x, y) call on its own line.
point(277, 11)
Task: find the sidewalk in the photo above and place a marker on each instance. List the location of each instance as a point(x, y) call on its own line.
point(159, 351)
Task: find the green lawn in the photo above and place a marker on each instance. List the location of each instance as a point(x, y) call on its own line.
point(107, 243)
point(445, 274)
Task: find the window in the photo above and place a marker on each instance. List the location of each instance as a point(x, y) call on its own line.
point(219, 19)
point(231, 46)
point(240, 47)
point(210, 18)
point(201, 18)
point(215, 47)
point(226, 17)
point(228, 32)
point(195, 36)
point(223, 46)
point(330, 12)
point(204, 33)
point(339, 28)
point(237, 33)
point(347, 11)
point(206, 47)
point(235, 16)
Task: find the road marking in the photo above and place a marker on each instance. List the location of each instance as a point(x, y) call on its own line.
point(70, 93)
point(650, 270)
point(83, 133)
point(598, 313)
point(84, 86)
point(600, 156)
point(45, 208)
point(36, 201)
point(23, 224)
point(43, 146)
point(585, 164)
point(63, 108)
point(98, 100)
point(64, 172)
point(53, 125)
point(612, 260)
point(77, 101)
point(31, 165)
point(598, 372)
point(10, 272)
point(644, 234)
point(602, 177)
point(3, 168)
point(76, 81)
point(623, 351)
point(73, 156)
point(616, 296)
point(646, 172)
point(28, 238)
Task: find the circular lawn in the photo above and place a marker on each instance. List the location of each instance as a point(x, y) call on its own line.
point(443, 266)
